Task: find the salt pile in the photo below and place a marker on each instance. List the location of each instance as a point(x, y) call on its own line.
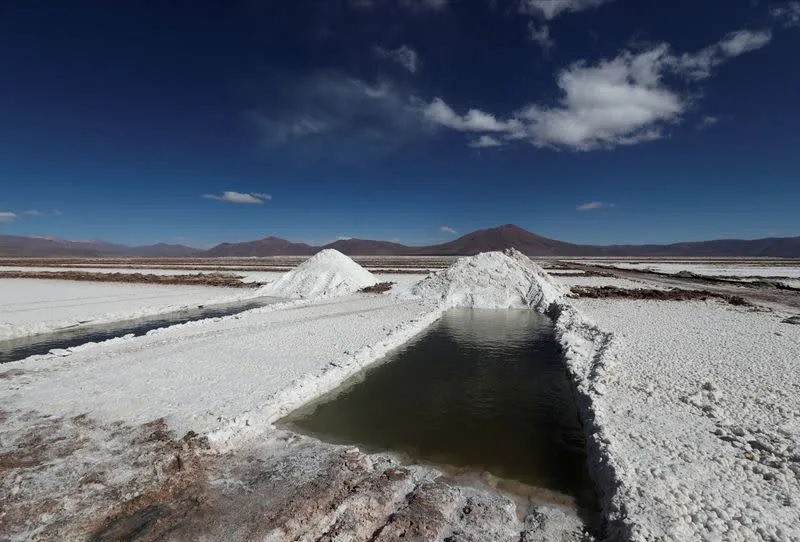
point(326, 274)
point(492, 280)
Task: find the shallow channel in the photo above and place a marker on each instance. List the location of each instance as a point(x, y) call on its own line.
point(481, 391)
point(23, 347)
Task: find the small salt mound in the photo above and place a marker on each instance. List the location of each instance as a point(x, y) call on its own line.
point(328, 273)
point(492, 280)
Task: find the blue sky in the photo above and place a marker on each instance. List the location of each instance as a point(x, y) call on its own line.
point(592, 121)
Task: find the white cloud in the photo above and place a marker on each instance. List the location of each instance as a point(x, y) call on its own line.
point(240, 197)
point(707, 122)
point(38, 213)
point(338, 116)
point(403, 55)
point(617, 102)
point(8, 216)
point(787, 15)
point(541, 35)
point(448, 230)
point(550, 9)
point(473, 121)
point(484, 142)
point(620, 101)
point(592, 205)
point(700, 64)
point(415, 5)
point(434, 5)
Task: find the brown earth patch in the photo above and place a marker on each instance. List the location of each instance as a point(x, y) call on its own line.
point(602, 292)
point(197, 279)
point(378, 288)
point(71, 478)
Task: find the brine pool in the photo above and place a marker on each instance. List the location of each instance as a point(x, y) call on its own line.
point(482, 392)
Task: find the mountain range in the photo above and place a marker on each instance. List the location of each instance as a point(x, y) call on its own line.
point(478, 241)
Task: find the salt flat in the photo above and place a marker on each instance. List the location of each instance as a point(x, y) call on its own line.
point(204, 374)
point(598, 281)
point(30, 306)
point(690, 408)
point(698, 405)
point(712, 269)
point(246, 275)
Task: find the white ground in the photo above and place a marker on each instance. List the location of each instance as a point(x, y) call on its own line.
point(223, 373)
point(247, 276)
point(30, 306)
point(692, 407)
point(699, 414)
point(712, 270)
point(595, 281)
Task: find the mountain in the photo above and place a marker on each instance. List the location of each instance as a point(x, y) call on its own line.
point(270, 246)
point(49, 247)
point(364, 247)
point(164, 250)
point(507, 236)
point(479, 241)
point(500, 238)
point(773, 247)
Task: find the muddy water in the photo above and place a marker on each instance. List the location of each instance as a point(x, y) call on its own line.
point(21, 348)
point(482, 391)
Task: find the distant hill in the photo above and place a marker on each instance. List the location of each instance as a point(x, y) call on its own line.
point(48, 247)
point(164, 250)
point(363, 247)
point(498, 238)
point(270, 246)
point(508, 236)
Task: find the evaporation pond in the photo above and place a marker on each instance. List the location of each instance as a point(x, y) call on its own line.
point(480, 391)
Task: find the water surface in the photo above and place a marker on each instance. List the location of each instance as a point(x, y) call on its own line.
point(42, 343)
point(482, 390)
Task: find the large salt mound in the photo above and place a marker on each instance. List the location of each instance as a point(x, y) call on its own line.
point(327, 273)
point(492, 280)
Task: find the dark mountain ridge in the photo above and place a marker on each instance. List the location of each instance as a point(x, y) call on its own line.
point(498, 238)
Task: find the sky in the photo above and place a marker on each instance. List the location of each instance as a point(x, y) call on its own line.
point(590, 121)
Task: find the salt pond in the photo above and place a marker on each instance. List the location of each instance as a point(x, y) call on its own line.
point(482, 390)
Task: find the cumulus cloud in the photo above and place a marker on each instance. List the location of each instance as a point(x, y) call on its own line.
point(484, 142)
point(256, 198)
point(541, 35)
point(550, 9)
point(448, 230)
point(592, 205)
point(403, 55)
point(617, 102)
point(787, 15)
point(8, 216)
point(624, 100)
